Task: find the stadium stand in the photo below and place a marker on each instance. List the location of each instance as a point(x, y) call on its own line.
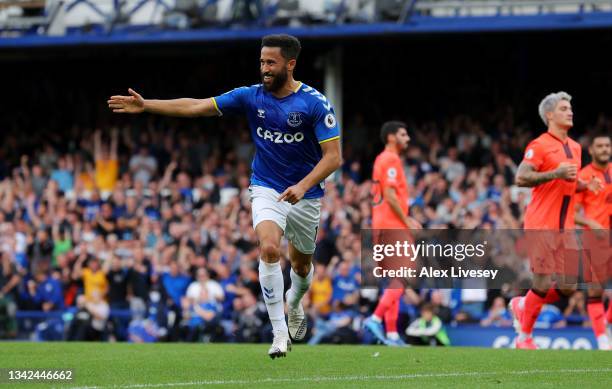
point(158, 221)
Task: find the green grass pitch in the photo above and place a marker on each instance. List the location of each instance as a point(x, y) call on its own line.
point(112, 365)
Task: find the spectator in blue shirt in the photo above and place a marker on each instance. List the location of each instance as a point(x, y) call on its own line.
point(90, 207)
point(175, 283)
point(337, 329)
point(63, 174)
point(551, 317)
point(498, 315)
point(345, 285)
point(46, 292)
point(200, 317)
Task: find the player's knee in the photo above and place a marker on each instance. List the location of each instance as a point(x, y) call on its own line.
point(270, 252)
point(301, 269)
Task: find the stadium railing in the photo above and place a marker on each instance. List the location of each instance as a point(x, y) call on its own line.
point(508, 7)
point(63, 16)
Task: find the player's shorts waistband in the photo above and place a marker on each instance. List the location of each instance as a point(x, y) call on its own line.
point(257, 182)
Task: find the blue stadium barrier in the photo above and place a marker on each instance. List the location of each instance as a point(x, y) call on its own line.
point(50, 326)
point(497, 337)
point(470, 335)
point(41, 315)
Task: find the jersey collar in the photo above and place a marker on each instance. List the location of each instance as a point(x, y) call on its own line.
point(551, 134)
point(298, 87)
point(300, 84)
point(599, 169)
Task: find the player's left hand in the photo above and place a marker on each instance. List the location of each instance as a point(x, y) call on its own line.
point(293, 194)
point(595, 185)
point(414, 224)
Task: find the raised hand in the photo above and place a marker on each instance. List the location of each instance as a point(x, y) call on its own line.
point(127, 104)
point(595, 185)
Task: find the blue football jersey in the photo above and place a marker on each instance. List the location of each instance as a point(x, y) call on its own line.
point(287, 133)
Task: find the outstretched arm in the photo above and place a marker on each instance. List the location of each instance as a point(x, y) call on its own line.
point(184, 107)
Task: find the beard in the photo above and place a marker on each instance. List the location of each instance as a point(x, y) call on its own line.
point(278, 80)
point(602, 159)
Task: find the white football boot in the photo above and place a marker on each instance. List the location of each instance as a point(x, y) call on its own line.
point(280, 345)
point(296, 321)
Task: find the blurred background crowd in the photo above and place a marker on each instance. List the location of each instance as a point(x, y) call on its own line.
point(144, 233)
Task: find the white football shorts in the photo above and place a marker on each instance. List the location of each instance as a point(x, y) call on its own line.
point(299, 222)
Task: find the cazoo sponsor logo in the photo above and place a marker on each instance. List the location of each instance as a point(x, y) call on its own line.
point(279, 137)
point(546, 342)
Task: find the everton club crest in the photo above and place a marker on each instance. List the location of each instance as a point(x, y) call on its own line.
point(295, 119)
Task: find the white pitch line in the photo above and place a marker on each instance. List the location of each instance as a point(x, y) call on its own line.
point(351, 378)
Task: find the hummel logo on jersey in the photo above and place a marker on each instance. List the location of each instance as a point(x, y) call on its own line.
point(261, 113)
point(268, 293)
point(279, 137)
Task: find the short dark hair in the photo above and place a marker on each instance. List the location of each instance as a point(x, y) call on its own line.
point(600, 134)
point(427, 307)
point(391, 127)
point(290, 46)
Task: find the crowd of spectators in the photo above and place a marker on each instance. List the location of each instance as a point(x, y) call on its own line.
point(145, 234)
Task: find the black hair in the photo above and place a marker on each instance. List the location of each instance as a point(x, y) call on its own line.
point(600, 134)
point(290, 46)
point(389, 128)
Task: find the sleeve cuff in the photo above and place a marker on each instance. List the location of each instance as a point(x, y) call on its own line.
point(216, 106)
point(330, 139)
